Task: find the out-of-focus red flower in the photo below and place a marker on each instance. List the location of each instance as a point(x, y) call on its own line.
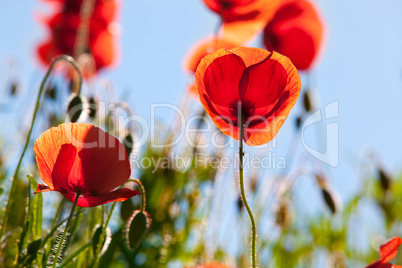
point(243, 19)
point(231, 10)
point(388, 251)
point(259, 86)
point(65, 28)
point(296, 31)
point(82, 159)
point(203, 48)
point(200, 50)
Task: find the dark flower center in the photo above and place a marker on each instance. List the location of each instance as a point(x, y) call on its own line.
point(245, 109)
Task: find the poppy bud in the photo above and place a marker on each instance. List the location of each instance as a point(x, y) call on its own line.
point(253, 181)
point(308, 101)
point(126, 209)
point(284, 214)
point(136, 229)
point(96, 237)
point(14, 89)
point(330, 197)
point(72, 86)
point(240, 204)
point(92, 107)
point(75, 108)
point(50, 92)
point(385, 179)
point(298, 122)
point(128, 143)
point(329, 200)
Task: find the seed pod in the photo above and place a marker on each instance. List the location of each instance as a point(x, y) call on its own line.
point(240, 204)
point(385, 179)
point(96, 237)
point(50, 92)
point(72, 85)
point(128, 143)
point(92, 107)
point(75, 108)
point(14, 89)
point(329, 199)
point(284, 214)
point(308, 101)
point(126, 209)
point(298, 122)
point(321, 180)
point(136, 229)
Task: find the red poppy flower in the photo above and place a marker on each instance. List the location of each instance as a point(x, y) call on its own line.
point(232, 10)
point(388, 251)
point(296, 31)
point(259, 86)
point(243, 19)
point(64, 27)
point(200, 50)
point(82, 159)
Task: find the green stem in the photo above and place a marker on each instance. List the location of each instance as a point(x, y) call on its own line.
point(243, 197)
point(56, 256)
point(15, 176)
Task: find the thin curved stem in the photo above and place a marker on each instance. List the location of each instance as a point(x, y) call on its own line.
point(243, 197)
point(56, 256)
point(42, 86)
point(141, 189)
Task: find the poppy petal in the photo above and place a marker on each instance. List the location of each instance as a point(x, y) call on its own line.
point(43, 188)
point(389, 249)
point(251, 55)
point(102, 49)
point(203, 48)
point(296, 31)
point(242, 31)
point(55, 158)
point(68, 148)
point(101, 158)
point(379, 264)
point(92, 200)
point(217, 77)
point(221, 78)
point(268, 80)
point(273, 86)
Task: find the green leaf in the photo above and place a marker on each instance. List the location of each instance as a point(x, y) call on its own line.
point(33, 249)
point(35, 214)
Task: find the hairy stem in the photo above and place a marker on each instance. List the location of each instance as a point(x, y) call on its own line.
point(15, 176)
point(243, 197)
point(60, 246)
point(141, 189)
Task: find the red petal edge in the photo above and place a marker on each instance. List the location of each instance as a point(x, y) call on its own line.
point(88, 200)
point(389, 249)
